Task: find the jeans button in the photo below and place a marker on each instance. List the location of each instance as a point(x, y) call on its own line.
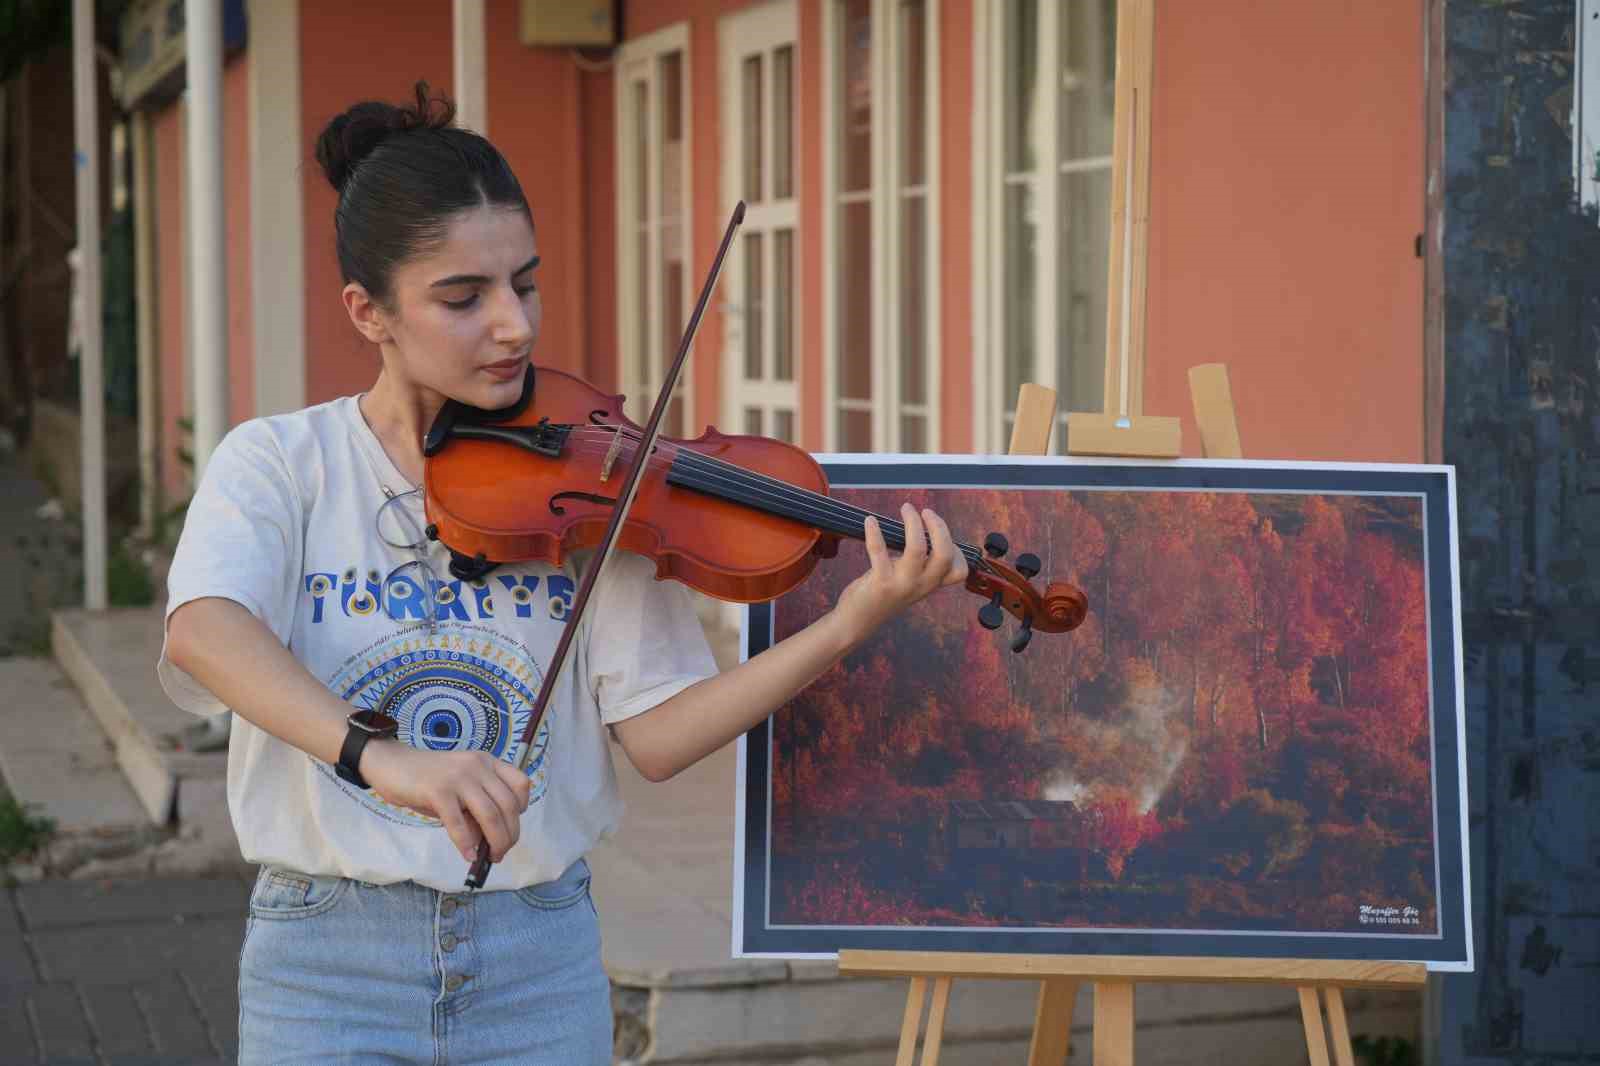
point(454, 982)
point(448, 906)
point(448, 942)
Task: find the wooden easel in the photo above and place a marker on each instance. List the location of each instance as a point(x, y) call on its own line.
point(1126, 432)
point(1320, 983)
point(1114, 976)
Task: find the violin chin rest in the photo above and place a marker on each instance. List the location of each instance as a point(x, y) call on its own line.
point(454, 412)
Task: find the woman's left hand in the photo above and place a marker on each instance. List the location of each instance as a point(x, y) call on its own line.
point(891, 585)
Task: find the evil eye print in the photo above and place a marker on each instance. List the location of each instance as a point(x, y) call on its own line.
point(561, 596)
point(521, 590)
point(319, 585)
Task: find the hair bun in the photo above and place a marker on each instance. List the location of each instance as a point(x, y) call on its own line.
point(351, 137)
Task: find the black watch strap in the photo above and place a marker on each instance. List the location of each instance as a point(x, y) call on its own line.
point(355, 741)
point(364, 726)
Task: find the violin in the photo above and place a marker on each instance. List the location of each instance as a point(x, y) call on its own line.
point(740, 518)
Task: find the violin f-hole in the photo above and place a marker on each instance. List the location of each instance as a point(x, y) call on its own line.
point(587, 497)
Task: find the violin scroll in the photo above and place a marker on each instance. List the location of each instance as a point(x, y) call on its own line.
point(1060, 608)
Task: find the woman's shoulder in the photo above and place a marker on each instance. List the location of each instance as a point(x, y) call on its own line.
point(295, 442)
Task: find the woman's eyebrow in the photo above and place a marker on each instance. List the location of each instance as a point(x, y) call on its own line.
point(480, 279)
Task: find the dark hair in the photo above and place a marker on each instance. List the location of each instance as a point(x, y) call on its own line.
point(402, 172)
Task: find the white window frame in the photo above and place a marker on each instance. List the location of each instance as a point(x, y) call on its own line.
point(990, 408)
point(765, 215)
point(887, 166)
point(637, 60)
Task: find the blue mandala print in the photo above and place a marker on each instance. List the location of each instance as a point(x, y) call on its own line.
point(467, 688)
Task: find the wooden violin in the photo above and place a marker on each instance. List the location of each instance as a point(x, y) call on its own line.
point(740, 518)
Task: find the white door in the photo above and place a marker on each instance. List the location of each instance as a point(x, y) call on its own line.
point(761, 278)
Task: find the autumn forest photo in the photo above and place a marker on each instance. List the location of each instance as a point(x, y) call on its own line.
point(1237, 739)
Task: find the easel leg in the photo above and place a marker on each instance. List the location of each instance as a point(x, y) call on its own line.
point(1113, 1023)
point(913, 1018)
point(934, 1037)
point(1338, 1027)
point(1311, 1015)
point(1052, 1023)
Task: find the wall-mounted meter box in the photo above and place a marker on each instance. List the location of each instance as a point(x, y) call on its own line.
point(569, 22)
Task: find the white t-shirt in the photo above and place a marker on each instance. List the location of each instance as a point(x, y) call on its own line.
point(285, 523)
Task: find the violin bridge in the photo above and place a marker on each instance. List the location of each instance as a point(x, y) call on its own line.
point(611, 455)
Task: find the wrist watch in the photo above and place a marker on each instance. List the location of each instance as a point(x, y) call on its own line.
point(364, 726)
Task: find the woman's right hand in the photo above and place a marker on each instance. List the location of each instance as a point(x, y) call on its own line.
point(474, 794)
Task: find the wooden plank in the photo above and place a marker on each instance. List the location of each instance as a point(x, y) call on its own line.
point(1113, 1023)
point(1052, 1023)
point(1127, 266)
point(1177, 969)
point(1036, 417)
point(913, 1018)
point(1311, 1016)
point(933, 1039)
point(1213, 411)
point(1338, 1027)
point(1144, 436)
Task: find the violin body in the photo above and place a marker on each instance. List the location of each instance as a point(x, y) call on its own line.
point(740, 518)
point(507, 504)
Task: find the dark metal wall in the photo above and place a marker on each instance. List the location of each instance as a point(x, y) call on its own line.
point(1521, 424)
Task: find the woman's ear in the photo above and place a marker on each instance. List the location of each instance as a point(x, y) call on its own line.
point(366, 313)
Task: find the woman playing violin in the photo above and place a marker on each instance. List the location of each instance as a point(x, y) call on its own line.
point(378, 702)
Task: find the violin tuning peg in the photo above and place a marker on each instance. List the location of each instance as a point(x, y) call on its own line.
point(1024, 635)
point(1028, 565)
point(990, 615)
point(996, 545)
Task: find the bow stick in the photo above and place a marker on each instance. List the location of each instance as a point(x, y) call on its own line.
point(480, 868)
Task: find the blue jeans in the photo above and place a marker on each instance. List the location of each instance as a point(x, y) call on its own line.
point(334, 970)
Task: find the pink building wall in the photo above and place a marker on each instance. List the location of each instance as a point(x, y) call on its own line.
point(1285, 196)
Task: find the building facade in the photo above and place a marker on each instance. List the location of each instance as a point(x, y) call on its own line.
point(928, 186)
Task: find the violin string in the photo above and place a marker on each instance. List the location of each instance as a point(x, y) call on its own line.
point(775, 490)
point(806, 503)
point(810, 503)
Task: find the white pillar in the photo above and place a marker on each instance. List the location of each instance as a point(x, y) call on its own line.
point(471, 95)
point(91, 372)
point(208, 308)
point(277, 209)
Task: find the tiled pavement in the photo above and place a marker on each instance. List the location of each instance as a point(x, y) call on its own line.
point(120, 972)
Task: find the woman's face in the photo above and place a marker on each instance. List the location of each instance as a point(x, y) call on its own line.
point(465, 315)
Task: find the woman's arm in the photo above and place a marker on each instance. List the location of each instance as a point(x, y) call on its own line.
point(676, 734)
point(232, 653)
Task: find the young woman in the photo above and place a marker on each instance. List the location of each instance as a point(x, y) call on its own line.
point(378, 702)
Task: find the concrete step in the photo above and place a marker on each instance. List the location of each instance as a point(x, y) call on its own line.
point(54, 756)
point(111, 657)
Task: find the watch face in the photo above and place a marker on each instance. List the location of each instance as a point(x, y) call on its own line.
point(375, 722)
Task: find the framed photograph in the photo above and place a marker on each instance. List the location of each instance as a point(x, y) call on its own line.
point(1252, 747)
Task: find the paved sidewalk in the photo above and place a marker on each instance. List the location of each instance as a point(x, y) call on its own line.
point(120, 972)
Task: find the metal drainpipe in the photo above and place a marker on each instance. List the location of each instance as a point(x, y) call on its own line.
point(208, 310)
point(91, 371)
point(144, 251)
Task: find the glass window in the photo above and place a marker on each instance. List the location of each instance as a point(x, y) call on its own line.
point(1054, 200)
point(655, 274)
point(882, 244)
